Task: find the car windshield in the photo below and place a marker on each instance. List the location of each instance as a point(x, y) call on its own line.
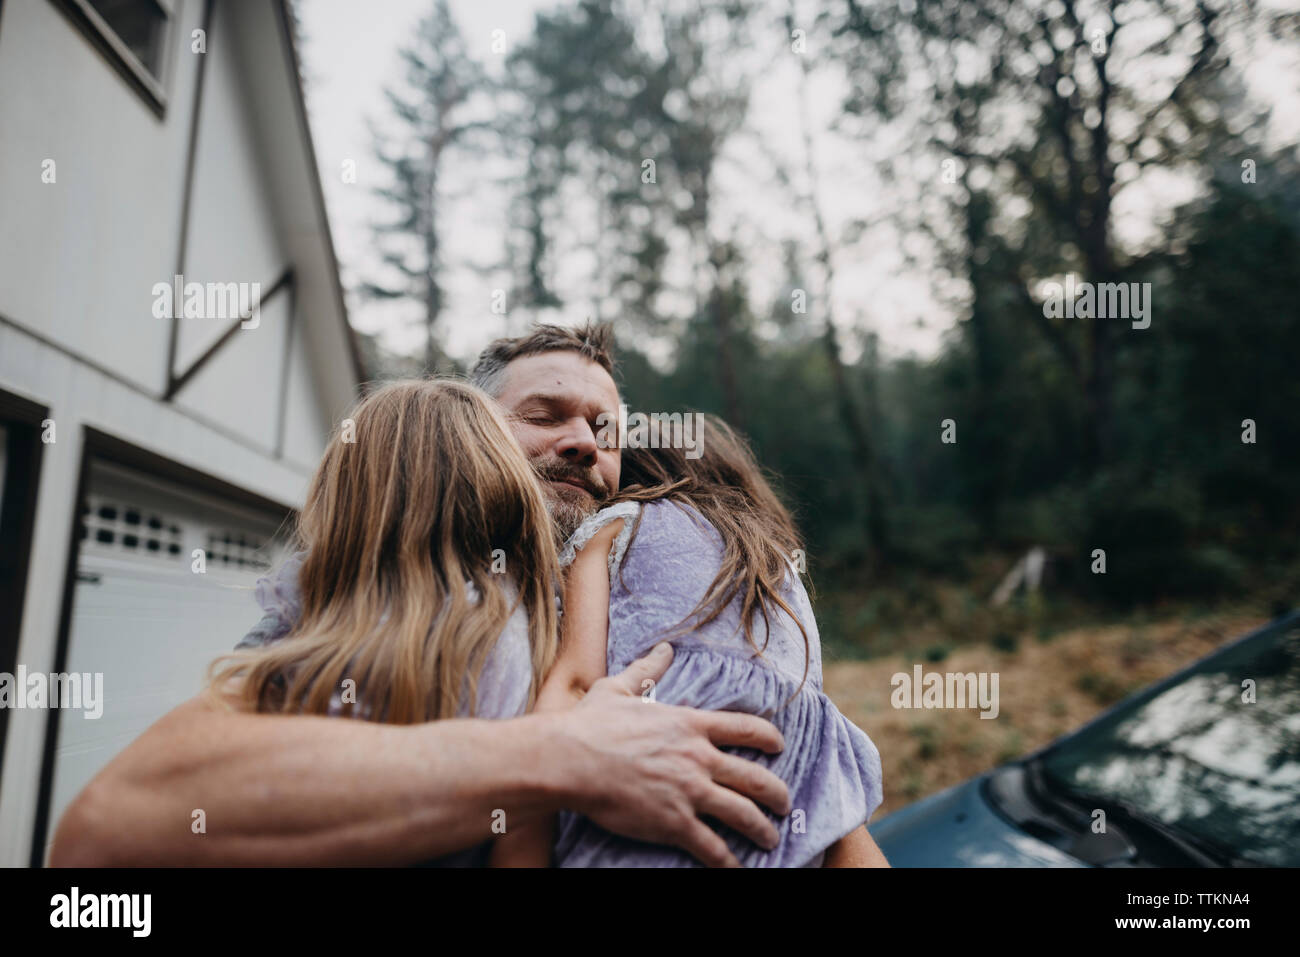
point(1216, 755)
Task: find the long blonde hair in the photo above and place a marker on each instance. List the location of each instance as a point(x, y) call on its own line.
point(422, 490)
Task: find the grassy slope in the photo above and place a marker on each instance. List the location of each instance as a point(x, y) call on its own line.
point(1046, 688)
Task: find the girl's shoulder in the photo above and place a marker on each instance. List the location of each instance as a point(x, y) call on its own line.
point(657, 524)
point(679, 522)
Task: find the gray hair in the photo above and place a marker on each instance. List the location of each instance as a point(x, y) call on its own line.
point(591, 341)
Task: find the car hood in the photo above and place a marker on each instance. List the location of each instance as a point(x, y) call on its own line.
point(958, 828)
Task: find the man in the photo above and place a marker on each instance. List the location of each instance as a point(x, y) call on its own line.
point(310, 790)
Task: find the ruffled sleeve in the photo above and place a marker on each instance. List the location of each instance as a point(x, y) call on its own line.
point(281, 603)
point(628, 511)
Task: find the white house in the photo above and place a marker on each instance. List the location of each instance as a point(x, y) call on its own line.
point(153, 445)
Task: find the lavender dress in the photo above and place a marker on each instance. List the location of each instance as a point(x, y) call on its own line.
point(830, 766)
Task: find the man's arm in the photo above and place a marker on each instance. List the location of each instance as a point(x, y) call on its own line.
point(308, 790)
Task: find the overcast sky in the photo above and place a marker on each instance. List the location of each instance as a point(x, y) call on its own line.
point(349, 56)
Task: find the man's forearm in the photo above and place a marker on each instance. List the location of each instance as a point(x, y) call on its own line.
point(289, 790)
point(309, 790)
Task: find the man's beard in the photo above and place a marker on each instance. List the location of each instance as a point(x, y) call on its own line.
point(570, 506)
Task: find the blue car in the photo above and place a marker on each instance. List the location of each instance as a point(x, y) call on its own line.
point(1201, 769)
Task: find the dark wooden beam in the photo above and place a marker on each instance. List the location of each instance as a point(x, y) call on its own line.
point(178, 382)
point(186, 198)
point(285, 365)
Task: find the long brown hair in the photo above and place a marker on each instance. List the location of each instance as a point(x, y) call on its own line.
point(418, 490)
point(726, 485)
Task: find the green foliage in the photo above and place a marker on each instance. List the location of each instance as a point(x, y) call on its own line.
point(937, 653)
point(1072, 435)
point(1005, 641)
point(1185, 511)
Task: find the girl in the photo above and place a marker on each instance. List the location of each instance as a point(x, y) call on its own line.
point(402, 611)
point(699, 552)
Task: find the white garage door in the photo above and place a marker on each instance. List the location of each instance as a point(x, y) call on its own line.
point(143, 617)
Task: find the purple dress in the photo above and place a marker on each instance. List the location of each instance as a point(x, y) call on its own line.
point(830, 766)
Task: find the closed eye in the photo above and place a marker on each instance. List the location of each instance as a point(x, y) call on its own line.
point(537, 418)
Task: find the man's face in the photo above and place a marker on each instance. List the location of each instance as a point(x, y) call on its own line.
point(553, 401)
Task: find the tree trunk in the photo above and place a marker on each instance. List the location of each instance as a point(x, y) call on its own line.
point(720, 316)
point(860, 444)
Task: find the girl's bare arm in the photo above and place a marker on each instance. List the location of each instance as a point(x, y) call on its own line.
point(581, 663)
point(855, 849)
point(584, 635)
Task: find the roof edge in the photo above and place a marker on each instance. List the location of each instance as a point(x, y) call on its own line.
point(284, 18)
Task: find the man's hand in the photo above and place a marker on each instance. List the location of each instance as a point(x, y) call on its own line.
point(304, 790)
point(649, 771)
